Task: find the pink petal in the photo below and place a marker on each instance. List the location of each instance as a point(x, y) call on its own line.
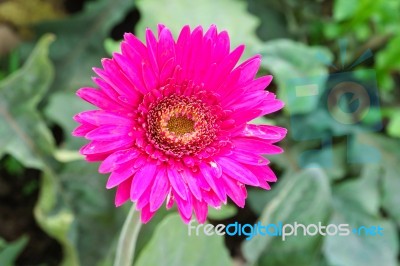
point(106, 146)
point(123, 192)
point(114, 76)
point(193, 58)
point(211, 33)
point(248, 157)
point(182, 44)
point(211, 178)
point(142, 179)
point(166, 47)
point(82, 130)
point(100, 117)
point(184, 206)
point(108, 133)
point(124, 172)
point(192, 184)
point(117, 158)
point(222, 47)
point(151, 42)
point(245, 115)
point(256, 146)
point(226, 66)
point(249, 69)
point(200, 210)
point(96, 157)
point(234, 189)
point(150, 78)
point(144, 199)
point(177, 182)
point(98, 98)
point(264, 173)
point(237, 171)
point(159, 190)
point(211, 199)
point(132, 73)
point(265, 132)
point(146, 214)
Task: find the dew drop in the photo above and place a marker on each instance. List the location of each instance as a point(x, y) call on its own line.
point(123, 99)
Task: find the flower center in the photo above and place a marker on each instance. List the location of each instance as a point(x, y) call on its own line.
point(180, 125)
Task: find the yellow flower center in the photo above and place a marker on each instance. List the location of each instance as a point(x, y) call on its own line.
point(180, 125)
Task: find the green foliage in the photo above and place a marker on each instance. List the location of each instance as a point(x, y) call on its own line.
point(304, 198)
point(164, 249)
point(226, 211)
point(61, 107)
point(55, 218)
point(10, 251)
point(297, 40)
point(79, 43)
point(387, 61)
point(292, 63)
point(24, 134)
point(177, 13)
point(361, 209)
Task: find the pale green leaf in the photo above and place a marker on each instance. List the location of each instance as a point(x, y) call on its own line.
point(80, 38)
point(225, 212)
point(177, 13)
point(300, 72)
point(10, 251)
point(344, 9)
point(357, 204)
point(304, 198)
point(390, 158)
point(171, 245)
point(393, 127)
point(112, 46)
point(55, 218)
point(23, 132)
point(62, 106)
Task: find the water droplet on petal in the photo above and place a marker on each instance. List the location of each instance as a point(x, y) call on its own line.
point(123, 99)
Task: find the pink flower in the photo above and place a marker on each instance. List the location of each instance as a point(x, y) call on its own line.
point(172, 123)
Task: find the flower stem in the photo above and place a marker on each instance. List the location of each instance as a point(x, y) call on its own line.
point(127, 240)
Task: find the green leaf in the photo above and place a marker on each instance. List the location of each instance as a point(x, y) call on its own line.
point(332, 159)
point(367, 197)
point(177, 13)
point(304, 198)
point(393, 127)
point(171, 245)
point(62, 106)
point(344, 9)
point(80, 38)
point(10, 251)
point(68, 156)
point(55, 218)
point(83, 188)
point(112, 46)
point(23, 133)
point(390, 158)
point(357, 204)
point(270, 18)
point(299, 70)
point(387, 61)
point(226, 211)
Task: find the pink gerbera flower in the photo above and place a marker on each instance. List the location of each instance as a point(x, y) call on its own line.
point(172, 122)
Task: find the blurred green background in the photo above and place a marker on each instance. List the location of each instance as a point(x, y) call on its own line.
point(54, 208)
